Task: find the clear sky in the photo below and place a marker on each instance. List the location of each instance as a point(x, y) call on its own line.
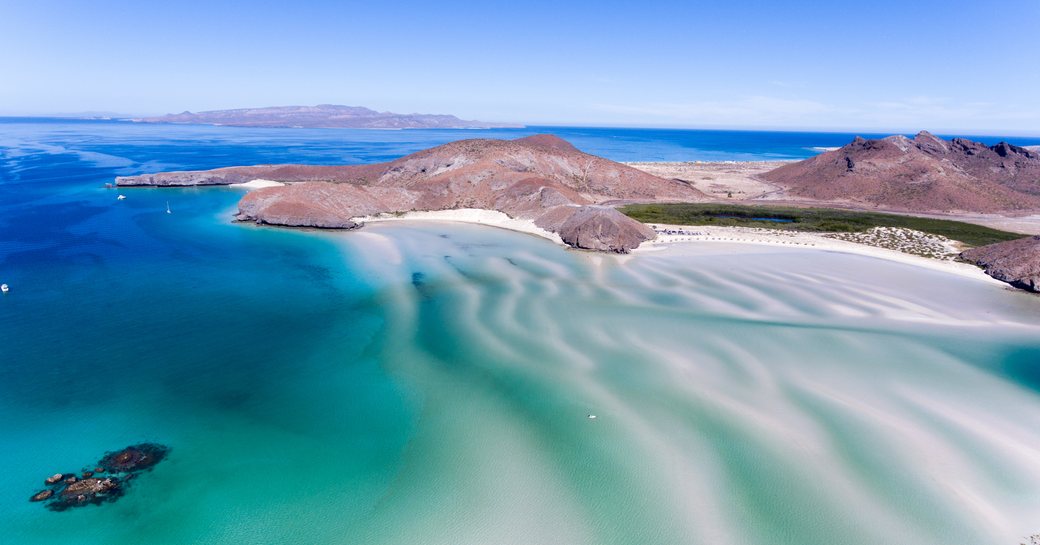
point(951, 65)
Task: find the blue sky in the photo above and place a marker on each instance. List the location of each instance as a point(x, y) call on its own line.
point(953, 66)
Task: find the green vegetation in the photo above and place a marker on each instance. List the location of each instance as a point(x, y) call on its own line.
point(824, 220)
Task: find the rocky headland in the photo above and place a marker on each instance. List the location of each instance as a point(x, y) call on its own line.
point(539, 178)
point(322, 116)
point(921, 174)
point(1016, 262)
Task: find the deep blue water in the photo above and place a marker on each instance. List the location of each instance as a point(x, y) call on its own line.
point(315, 146)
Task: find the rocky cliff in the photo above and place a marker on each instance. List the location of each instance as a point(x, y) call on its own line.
point(325, 116)
point(1016, 262)
point(922, 174)
point(542, 178)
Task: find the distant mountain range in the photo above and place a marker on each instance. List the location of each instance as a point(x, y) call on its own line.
point(921, 174)
point(323, 116)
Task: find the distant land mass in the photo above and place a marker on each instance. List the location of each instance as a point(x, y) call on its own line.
point(323, 116)
point(921, 174)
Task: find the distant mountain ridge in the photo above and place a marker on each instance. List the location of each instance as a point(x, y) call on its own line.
point(922, 174)
point(322, 116)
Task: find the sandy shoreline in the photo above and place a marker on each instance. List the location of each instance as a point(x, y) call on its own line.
point(257, 184)
point(492, 218)
point(702, 235)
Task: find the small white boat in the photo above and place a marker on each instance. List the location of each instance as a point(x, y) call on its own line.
point(592, 417)
point(4, 288)
point(168, 211)
point(121, 197)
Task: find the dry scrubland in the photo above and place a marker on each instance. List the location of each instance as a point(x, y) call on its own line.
point(723, 180)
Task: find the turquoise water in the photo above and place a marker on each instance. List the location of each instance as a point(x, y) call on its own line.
point(430, 383)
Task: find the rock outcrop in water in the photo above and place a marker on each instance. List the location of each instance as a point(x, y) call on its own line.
point(134, 458)
point(1016, 262)
point(541, 178)
point(322, 116)
point(66, 491)
point(922, 174)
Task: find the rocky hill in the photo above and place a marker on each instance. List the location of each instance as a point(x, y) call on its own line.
point(922, 174)
point(1016, 262)
point(323, 116)
point(542, 178)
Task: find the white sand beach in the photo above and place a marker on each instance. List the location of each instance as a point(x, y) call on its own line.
point(257, 184)
point(700, 234)
point(480, 216)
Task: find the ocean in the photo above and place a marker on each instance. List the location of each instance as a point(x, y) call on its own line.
point(432, 382)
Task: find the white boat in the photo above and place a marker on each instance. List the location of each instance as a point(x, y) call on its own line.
point(121, 197)
point(4, 288)
point(592, 417)
point(168, 211)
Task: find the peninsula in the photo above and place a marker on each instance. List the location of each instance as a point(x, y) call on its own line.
point(560, 191)
point(540, 178)
point(322, 116)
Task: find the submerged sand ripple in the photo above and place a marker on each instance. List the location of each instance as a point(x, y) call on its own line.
point(743, 395)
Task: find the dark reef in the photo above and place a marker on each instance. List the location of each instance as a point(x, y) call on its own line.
point(134, 458)
point(65, 490)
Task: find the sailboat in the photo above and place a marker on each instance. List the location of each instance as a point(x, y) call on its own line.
point(168, 211)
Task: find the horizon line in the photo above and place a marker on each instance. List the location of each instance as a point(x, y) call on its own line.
point(101, 116)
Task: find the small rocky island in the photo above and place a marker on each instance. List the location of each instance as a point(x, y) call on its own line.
point(539, 178)
point(105, 482)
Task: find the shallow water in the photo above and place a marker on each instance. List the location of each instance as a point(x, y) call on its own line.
point(431, 383)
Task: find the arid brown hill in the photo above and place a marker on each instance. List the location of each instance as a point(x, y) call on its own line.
point(328, 116)
point(1016, 262)
point(542, 178)
point(923, 174)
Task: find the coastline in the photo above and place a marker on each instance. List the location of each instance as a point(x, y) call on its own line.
point(259, 183)
point(707, 234)
point(803, 240)
point(692, 234)
point(480, 216)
